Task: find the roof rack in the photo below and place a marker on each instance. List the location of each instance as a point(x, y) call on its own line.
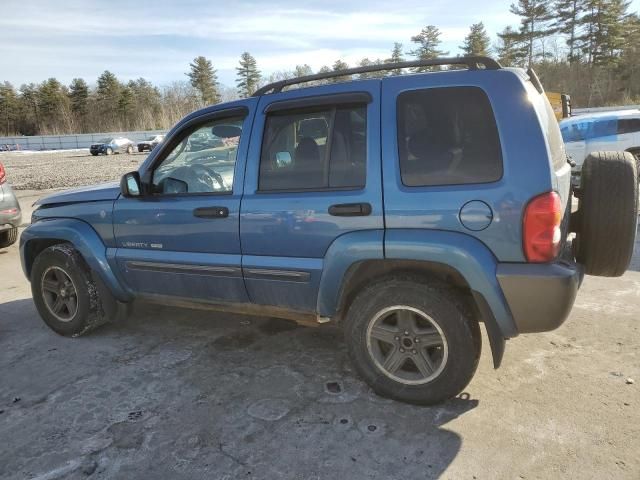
point(472, 63)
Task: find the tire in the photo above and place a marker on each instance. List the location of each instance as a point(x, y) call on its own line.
point(636, 155)
point(63, 263)
point(109, 151)
point(608, 213)
point(140, 149)
point(95, 154)
point(8, 237)
point(129, 149)
point(440, 313)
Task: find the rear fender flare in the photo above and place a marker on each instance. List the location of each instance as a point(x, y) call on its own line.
point(465, 254)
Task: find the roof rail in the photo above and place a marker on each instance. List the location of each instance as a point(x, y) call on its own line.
point(472, 63)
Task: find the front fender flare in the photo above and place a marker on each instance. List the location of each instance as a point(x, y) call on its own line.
point(84, 238)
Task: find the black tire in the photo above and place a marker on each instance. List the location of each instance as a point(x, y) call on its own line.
point(8, 237)
point(95, 154)
point(140, 149)
point(89, 313)
point(608, 213)
point(109, 151)
point(446, 311)
point(636, 154)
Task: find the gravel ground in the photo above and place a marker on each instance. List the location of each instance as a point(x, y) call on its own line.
point(193, 394)
point(44, 170)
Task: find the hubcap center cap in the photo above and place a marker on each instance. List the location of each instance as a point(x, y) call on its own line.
point(407, 342)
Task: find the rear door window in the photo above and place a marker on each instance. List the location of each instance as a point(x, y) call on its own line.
point(447, 136)
point(314, 149)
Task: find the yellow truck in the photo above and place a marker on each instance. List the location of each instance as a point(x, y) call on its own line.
point(561, 103)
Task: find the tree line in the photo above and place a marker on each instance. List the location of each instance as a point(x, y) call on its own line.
point(587, 48)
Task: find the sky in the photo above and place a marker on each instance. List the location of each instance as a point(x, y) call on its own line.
point(157, 39)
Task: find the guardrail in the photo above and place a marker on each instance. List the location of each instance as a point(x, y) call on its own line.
point(64, 142)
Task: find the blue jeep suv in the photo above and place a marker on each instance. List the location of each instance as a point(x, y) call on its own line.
point(408, 208)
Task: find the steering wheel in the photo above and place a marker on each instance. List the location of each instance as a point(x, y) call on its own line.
point(208, 175)
point(200, 178)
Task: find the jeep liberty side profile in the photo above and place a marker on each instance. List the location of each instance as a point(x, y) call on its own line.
point(409, 209)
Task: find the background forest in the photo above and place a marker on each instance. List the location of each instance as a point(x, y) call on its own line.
point(587, 48)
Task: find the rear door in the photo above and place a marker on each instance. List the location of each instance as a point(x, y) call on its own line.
point(313, 175)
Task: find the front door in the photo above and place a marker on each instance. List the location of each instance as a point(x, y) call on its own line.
point(313, 175)
point(181, 239)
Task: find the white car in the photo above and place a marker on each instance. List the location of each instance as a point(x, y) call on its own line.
point(606, 131)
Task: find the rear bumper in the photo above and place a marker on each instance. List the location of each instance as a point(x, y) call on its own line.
point(540, 296)
point(10, 214)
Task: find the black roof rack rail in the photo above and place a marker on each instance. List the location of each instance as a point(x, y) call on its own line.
point(472, 63)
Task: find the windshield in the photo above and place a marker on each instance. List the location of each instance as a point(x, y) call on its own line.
point(104, 140)
point(152, 138)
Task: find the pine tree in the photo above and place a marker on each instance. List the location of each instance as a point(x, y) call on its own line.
point(365, 62)
point(477, 41)
point(629, 69)
point(54, 106)
point(8, 109)
point(534, 19)
point(510, 50)
point(302, 70)
point(604, 34)
point(248, 75)
point(428, 41)
point(79, 96)
point(107, 98)
point(568, 21)
point(338, 66)
point(396, 57)
point(204, 79)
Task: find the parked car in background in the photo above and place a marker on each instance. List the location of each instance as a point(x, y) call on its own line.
point(605, 131)
point(10, 214)
point(110, 145)
point(150, 143)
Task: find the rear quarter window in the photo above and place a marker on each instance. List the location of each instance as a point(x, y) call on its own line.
point(447, 136)
point(550, 127)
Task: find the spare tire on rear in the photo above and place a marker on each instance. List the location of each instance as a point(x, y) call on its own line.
point(608, 213)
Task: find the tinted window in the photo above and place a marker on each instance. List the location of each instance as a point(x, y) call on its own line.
point(314, 149)
point(201, 162)
point(447, 136)
point(629, 125)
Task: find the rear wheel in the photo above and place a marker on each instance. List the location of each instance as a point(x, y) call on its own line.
point(608, 213)
point(411, 341)
point(64, 292)
point(9, 237)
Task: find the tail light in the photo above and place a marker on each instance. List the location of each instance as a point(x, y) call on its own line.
point(542, 236)
point(3, 175)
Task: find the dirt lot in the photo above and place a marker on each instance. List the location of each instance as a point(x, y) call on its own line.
point(73, 168)
point(192, 394)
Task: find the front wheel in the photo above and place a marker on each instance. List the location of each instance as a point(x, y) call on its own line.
point(109, 151)
point(411, 341)
point(129, 149)
point(64, 292)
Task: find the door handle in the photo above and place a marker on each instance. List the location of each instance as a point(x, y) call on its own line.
point(350, 210)
point(211, 212)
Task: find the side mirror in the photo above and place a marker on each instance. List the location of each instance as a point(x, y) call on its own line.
point(130, 185)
